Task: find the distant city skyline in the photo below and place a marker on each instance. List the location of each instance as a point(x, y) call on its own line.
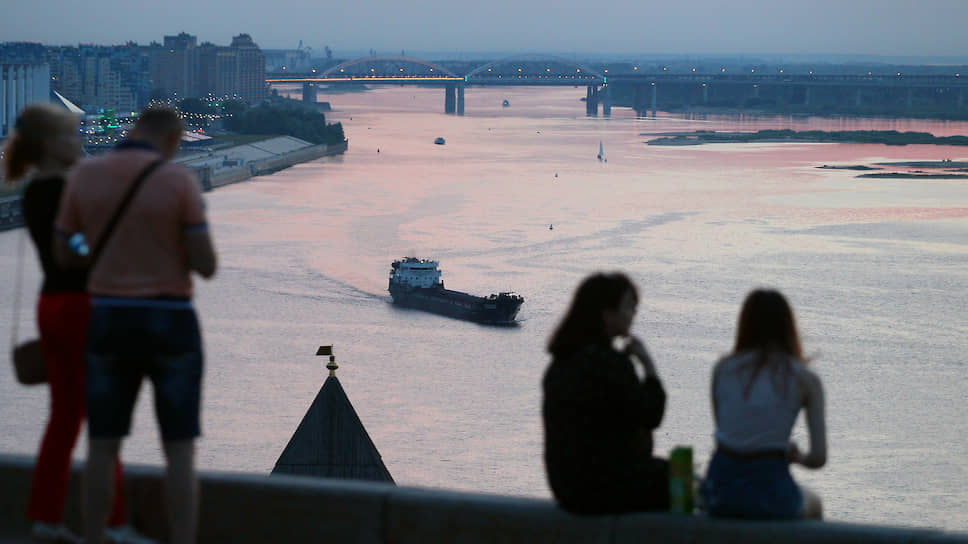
point(859, 28)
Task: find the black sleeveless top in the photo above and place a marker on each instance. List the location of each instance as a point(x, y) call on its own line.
point(39, 204)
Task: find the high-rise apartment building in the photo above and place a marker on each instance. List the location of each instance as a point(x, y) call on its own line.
point(226, 73)
point(124, 77)
point(184, 69)
point(207, 55)
point(114, 77)
point(24, 79)
point(250, 67)
point(21, 84)
point(174, 65)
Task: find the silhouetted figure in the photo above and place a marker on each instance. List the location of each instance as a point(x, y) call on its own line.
point(45, 140)
point(758, 390)
point(143, 323)
point(598, 415)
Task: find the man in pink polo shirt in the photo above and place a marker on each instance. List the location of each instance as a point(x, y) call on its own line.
point(143, 324)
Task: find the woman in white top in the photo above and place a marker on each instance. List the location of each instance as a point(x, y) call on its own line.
point(757, 393)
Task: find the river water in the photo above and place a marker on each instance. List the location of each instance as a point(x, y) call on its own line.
point(876, 270)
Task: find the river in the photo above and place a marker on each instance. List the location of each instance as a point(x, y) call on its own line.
point(876, 271)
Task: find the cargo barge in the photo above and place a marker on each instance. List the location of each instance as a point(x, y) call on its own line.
point(415, 283)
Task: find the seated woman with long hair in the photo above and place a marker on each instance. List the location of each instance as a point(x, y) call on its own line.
point(598, 414)
point(757, 392)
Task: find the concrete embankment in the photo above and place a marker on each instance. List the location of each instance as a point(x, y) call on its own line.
point(234, 164)
point(244, 508)
point(223, 167)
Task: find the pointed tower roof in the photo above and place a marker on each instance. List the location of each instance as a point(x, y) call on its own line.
point(331, 442)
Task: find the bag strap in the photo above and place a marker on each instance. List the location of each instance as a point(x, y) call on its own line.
point(17, 286)
point(109, 229)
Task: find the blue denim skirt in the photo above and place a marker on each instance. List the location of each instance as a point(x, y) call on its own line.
point(760, 488)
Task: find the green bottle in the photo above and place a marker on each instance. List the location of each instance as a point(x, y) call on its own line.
point(680, 480)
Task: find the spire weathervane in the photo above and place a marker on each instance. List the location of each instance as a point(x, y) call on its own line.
point(331, 365)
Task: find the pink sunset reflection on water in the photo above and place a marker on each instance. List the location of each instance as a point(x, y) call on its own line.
point(875, 268)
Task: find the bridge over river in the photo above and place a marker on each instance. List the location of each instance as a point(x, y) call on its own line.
point(639, 88)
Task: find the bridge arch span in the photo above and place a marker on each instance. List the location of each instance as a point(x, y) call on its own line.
point(532, 60)
point(384, 61)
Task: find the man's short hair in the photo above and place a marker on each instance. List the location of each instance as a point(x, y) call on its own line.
point(159, 121)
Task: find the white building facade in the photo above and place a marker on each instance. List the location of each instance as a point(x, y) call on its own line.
point(21, 84)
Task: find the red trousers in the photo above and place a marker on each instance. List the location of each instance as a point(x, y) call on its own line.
point(62, 319)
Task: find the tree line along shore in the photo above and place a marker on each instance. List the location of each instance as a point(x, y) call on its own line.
point(887, 137)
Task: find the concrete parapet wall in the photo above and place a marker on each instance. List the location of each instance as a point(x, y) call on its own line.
point(250, 508)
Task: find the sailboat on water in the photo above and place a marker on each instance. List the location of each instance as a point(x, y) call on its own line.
point(601, 152)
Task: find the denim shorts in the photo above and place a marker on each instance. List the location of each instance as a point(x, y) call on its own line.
point(751, 488)
point(128, 342)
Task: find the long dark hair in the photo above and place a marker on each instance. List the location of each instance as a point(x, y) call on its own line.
point(767, 325)
point(583, 324)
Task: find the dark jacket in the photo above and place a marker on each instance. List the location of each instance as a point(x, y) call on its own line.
point(598, 421)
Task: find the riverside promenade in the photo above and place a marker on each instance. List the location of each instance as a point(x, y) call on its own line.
point(254, 508)
point(221, 167)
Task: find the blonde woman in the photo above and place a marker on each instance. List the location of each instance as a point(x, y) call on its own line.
point(43, 145)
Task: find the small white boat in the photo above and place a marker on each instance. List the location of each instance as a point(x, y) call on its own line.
point(601, 152)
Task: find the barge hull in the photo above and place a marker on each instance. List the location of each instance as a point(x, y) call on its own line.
point(457, 305)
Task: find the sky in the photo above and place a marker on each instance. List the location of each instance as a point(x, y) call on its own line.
point(892, 28)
